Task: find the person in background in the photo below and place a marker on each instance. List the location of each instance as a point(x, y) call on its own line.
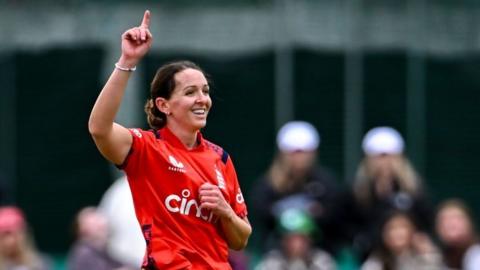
point(297, 251)
point(458, 236)
point(385, 181)
point(126, 243)
point(17, 251)
point(403, 247)
point(294, 179)
point(89, 250)
point(238, 259)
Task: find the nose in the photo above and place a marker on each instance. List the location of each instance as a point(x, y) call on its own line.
point(202, 98)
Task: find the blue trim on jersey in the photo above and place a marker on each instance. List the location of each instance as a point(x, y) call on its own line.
point(224, 157)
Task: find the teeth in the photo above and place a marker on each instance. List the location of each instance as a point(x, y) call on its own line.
point(199, 111)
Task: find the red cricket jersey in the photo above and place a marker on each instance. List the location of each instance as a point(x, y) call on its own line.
point(164, 178)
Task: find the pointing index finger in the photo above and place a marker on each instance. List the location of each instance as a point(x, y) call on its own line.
point(146, 19)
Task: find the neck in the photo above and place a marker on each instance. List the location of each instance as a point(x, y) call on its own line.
point(187, 137)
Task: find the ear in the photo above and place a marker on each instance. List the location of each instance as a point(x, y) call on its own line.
point(163, 105)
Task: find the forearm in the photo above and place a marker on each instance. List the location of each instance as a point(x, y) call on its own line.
point(108, 103)
point(236, 230)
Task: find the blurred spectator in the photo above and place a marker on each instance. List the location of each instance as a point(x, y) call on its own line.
point(17, 251)
point(294, 180)
point(297, 251)
point(402, 247)
point(126, 243)
point(458, 236)
point(89, 250)
point(385, 181)
point(238, 259)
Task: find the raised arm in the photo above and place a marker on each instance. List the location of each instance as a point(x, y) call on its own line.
point(113, 140)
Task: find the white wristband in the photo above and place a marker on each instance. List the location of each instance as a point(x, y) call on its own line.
point(125, 68)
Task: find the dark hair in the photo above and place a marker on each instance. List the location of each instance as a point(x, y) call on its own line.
point(163, 85)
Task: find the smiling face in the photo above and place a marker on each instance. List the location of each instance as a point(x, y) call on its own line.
point(188, 106)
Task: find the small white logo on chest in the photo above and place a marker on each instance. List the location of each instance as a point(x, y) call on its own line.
point(176, 165)
point(220, 179)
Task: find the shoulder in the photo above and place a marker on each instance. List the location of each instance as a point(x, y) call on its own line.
point(80, 249)
point(372, 263)
point(472, 256)
point(474, 249)
point(143, 138)
point(262, 185)
point(274, 259)
point(144, 134)
point(217, 150)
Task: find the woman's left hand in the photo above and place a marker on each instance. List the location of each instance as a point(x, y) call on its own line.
point(211, 198)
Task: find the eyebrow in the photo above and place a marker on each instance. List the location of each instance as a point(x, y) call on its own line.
point(195, 86)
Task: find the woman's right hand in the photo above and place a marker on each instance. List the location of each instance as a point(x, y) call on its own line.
point(136, 42)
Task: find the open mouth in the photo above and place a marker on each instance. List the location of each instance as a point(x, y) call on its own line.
point(199, 111)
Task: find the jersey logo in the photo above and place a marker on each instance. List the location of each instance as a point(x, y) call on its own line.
point(185, 205)
point(220, 179)
point(176, 165)
point(239, 196)
point(137, 133)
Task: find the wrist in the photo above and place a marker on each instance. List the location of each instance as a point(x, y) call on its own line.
point(126, 63)
point(229, 215)
point(127, 69)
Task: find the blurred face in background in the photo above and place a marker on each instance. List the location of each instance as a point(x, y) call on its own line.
point(296, 245)
point(299, 163)
point(11, 242)
point(398, 233)
point(13, 235)
point(93, 227)
point(453, 226)
point(382, 169)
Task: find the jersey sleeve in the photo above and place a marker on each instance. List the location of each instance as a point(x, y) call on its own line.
point(140, 138)
point(237, 202)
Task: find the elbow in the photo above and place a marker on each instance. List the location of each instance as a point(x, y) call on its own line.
point(96, 130)
point(242, 242)
point(93, 129)
point(239, 245)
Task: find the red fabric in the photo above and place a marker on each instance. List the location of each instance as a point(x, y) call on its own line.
point(164, 178)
